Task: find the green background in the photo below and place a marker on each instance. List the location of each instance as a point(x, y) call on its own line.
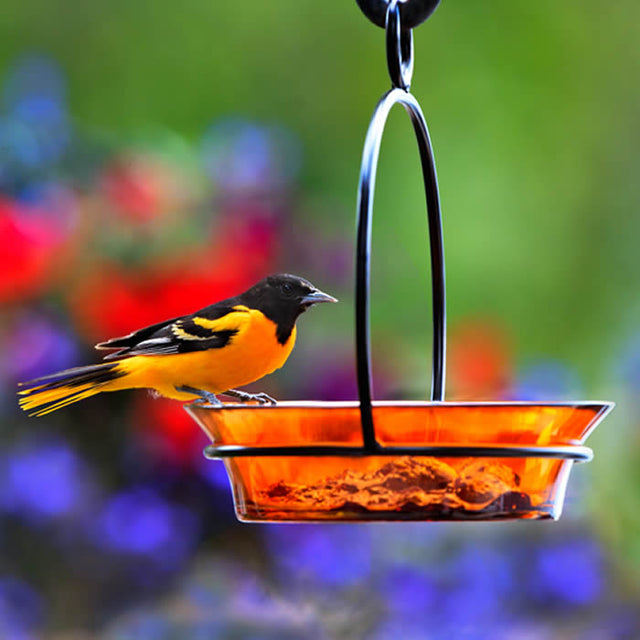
point(532, 109)
point(533, 112)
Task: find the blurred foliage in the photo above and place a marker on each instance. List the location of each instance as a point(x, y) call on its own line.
point(532, 109)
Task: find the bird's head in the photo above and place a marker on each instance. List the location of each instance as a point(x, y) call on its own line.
point(283, 297)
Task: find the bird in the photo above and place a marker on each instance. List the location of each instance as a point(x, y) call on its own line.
point(192, 358)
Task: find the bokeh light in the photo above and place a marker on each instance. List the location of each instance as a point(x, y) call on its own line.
point(155, 159)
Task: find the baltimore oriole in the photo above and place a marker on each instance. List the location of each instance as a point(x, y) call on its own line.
point(194, 357)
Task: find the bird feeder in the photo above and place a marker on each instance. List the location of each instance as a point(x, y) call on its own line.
point(372, 460)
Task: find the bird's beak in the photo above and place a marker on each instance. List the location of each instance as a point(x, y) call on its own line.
point(317, 296)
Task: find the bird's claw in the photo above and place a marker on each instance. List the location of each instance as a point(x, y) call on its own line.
point(205, 399)
point(208, 400)
point(206, 404)
point(243, 396)
point(263, 398)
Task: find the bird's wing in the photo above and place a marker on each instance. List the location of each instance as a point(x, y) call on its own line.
point(131, 339)
point(211, 328)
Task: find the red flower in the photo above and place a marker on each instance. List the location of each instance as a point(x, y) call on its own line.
point(480, 363)
point(138, 187)
point(35, 246)
point(112, 301)
point(166, 430)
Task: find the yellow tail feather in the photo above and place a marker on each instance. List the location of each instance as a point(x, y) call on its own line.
point(66, 387)
point(54, 399)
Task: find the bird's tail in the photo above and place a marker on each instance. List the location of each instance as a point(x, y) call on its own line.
point(52, 392)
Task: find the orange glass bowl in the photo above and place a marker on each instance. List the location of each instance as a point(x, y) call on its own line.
point(513, 459)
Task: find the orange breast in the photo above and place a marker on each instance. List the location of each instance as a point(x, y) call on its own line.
point(251, 354)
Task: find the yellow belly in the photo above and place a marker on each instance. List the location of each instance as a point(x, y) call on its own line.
point(251, 354)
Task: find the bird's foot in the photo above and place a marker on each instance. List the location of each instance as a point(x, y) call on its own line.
point(243, 396)
point(205, 399)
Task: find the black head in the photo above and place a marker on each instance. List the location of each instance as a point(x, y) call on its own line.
point(282, 298)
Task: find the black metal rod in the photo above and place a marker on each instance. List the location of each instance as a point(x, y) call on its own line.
point(568, 452)
point(399, 49)
point(363, 253)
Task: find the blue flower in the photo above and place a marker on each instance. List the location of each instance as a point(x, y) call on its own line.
point(409, 592)
point(142, 523)
point(215, 474)
point(479, 581)
point(36, 131)
point(547, 380)
point(43, 480)
point(242, 155)
point(568, 573)
point(339, 555)
point(141, 625)
point(38, 345)
point(21, 609)
point(453, 597)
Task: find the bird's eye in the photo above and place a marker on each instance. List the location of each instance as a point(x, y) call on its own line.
point(286, 288)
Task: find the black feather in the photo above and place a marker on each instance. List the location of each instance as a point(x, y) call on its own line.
point(278, 297)
point(92, 374)
point(132, 339)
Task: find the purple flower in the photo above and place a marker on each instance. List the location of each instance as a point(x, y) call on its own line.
point(568, 573)
point(478, 581)
point(141, 625)
point(547, 380)
point(409, 592)
point(338, 556)
point(456, 595)
point(140, 522)
point(43, 480)
point(53, 200)
point(241, 155)
point(36, 131)
point(38, 345)
point(21, 609)
point(215, 474)
point(332, 380)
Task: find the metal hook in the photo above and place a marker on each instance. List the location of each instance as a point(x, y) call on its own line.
point(399, 48)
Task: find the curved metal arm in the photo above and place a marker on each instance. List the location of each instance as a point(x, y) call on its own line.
point(363, 252)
